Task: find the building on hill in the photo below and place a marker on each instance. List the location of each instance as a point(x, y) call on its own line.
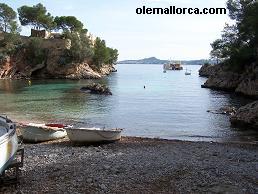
point(45, 34)
point(40, 33)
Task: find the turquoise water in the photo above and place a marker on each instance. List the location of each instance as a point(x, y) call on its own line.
point(172, 106)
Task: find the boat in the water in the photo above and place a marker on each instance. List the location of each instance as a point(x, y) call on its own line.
point(34, 133)
point(187, 72)
point(173, 66)
point(93, 135)
point(8, 142)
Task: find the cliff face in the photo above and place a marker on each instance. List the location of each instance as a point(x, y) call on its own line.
point(17, 66)
point(246, 116)
point(245, 83)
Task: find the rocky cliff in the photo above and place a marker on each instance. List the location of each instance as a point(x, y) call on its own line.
point(245, 83)
point(18, 66)
point(246, 116)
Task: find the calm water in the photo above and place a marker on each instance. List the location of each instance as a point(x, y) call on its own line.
point(172, 106)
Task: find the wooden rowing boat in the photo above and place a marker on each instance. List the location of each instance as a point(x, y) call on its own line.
point(93, 135)
point(35, 133)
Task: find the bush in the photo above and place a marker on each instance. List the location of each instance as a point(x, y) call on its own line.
point(34, 52)
point(10, 43)
point(81, 48)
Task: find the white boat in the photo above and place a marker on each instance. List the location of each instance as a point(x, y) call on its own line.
point(8, 142)
point(93, 135)
point(173, 65)
point(33, 132)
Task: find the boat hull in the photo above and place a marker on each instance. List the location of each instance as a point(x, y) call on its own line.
point(36, 134)
point(8, 147)
point(89, 135)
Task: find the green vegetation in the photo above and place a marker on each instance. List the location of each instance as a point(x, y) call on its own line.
point(8, 24)
point(238, 45)
point(68, 23)
point(103, 54)
point(7, 18)
point(36, 16)
point(10, 44)
point(112, 56)
point(35, 53)
point(100, 52)
point(83, 48)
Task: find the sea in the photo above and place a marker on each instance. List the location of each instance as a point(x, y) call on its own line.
point(171, 106)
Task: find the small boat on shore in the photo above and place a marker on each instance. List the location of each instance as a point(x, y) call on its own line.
point(34, 133)
point(8, 142)
point(93, 135)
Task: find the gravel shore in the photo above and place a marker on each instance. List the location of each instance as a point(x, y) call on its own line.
point(139, 165)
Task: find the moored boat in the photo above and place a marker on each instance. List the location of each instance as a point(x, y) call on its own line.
point(8, 142)
point(173, 66)
point(34, 133)
point(187, 72)
point(93, 135)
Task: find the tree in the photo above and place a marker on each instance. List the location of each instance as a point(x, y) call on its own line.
point(69, 23)
point(36, 16)
point(238, 45)
point(80, 50)
point(101, 54)
point(112, 55)
point(217, 50)
point(35, 53)
point(7, 17)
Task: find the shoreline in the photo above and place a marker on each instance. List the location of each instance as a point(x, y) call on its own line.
point(138, 165)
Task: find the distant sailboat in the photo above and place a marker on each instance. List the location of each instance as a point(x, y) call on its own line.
point(187, 72)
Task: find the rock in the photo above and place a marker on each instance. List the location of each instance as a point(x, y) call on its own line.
point(208, 70)
point(79, 71)
point(227, 110)
point(106, 69)
point(223, 80)
point(220, 77)
point(248, 87)
point(89, 180)
point(54, 64)
point(106, 167)
point(249, 81)
point(246, 116)
point(114, 69)
point(96, 88)
point(103, 187)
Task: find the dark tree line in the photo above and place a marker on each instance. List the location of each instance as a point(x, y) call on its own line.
point(238, 45)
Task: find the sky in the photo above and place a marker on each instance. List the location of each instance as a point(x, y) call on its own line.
point(174, 37)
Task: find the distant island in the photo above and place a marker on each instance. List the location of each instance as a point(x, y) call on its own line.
point(154, 60)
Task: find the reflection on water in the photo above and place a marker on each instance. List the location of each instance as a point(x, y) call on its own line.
point(172, 105)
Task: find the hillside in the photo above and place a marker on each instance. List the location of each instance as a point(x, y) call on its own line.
point(47, 58)
point(154, 60)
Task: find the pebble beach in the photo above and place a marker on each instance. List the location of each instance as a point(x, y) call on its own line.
point(138, 165)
